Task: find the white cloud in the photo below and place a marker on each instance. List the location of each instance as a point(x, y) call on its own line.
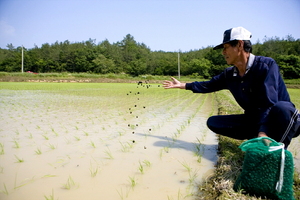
point(6, 29)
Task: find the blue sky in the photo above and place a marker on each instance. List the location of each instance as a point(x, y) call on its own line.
point(168, 25)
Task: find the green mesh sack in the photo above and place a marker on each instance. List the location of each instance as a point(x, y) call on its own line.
point(267, 171)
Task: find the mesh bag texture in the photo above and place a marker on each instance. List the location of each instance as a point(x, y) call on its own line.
point(261, 170)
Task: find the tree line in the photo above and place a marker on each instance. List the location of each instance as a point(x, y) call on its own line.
point(134, 58)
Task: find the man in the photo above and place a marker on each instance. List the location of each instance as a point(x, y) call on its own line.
point(257, 86)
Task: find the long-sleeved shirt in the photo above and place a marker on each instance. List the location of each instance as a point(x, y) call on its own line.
point(256, 92)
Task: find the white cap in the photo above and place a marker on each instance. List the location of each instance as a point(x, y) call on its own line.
point(238, 33)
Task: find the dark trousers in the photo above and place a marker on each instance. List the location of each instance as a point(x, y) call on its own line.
point(283, 124)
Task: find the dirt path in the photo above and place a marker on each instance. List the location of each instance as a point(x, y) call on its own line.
point(76, 146)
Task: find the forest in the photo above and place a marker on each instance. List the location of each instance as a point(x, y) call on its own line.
point(133, 58)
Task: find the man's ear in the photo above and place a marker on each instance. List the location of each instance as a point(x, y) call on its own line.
point(241, 45)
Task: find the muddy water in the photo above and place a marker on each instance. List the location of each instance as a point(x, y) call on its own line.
point(135, 144)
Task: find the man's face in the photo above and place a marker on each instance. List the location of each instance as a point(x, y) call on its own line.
point(230, 54)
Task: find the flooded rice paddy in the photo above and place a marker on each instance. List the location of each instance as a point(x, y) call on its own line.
point(103, 141)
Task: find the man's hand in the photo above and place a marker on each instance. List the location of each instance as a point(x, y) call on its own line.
point(262, 134)
point(173, 84)
point(266, 141)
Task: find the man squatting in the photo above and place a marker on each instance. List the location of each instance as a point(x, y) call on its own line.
point(256, 84)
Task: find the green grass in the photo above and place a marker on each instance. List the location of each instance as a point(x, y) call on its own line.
point(295, 97)
point(121, 78)
point(292, 81)
point(18, 76)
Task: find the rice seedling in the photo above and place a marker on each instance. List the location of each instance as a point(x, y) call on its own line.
point(183, 126)
point(4, 191)
point(121, 133)
point(19, 160)
point(94, 171)
point(67, 141)
point(17, 145)
point(46, 137)
point(192, 177)
point(198, 150)
point(50, 197)
point(48, 175)
point(122, 195)
point(175, 137)
point(55, 133)
point(17, 132)
point(108, 154)
point(179, 196)
point(132, 182)
point(23, 183)
point(186, 166)
point(147, 163)
point(38, 151)
point(30, 136)
point(132, 126)
point(86, 133)
point(69, 184)
point(92, 144)
point(125, 147)
point(51, 146)
point(199, 159)
point(166, 149)
point(189, 119)
point(1, 149)
point(141, 167)
point(161, 153)
point(77, 138)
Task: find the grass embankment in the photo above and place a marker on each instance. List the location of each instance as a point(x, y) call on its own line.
point(101, 78)
point(220, 184)
point(83, 77)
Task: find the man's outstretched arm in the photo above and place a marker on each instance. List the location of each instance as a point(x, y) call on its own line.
point(173, 84)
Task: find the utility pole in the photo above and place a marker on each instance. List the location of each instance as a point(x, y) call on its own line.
point(22, 60)
point(179, 64)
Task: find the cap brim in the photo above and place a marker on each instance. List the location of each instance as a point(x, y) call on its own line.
point(220, 46)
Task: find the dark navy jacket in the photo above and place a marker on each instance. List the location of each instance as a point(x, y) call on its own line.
point(256, 92)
